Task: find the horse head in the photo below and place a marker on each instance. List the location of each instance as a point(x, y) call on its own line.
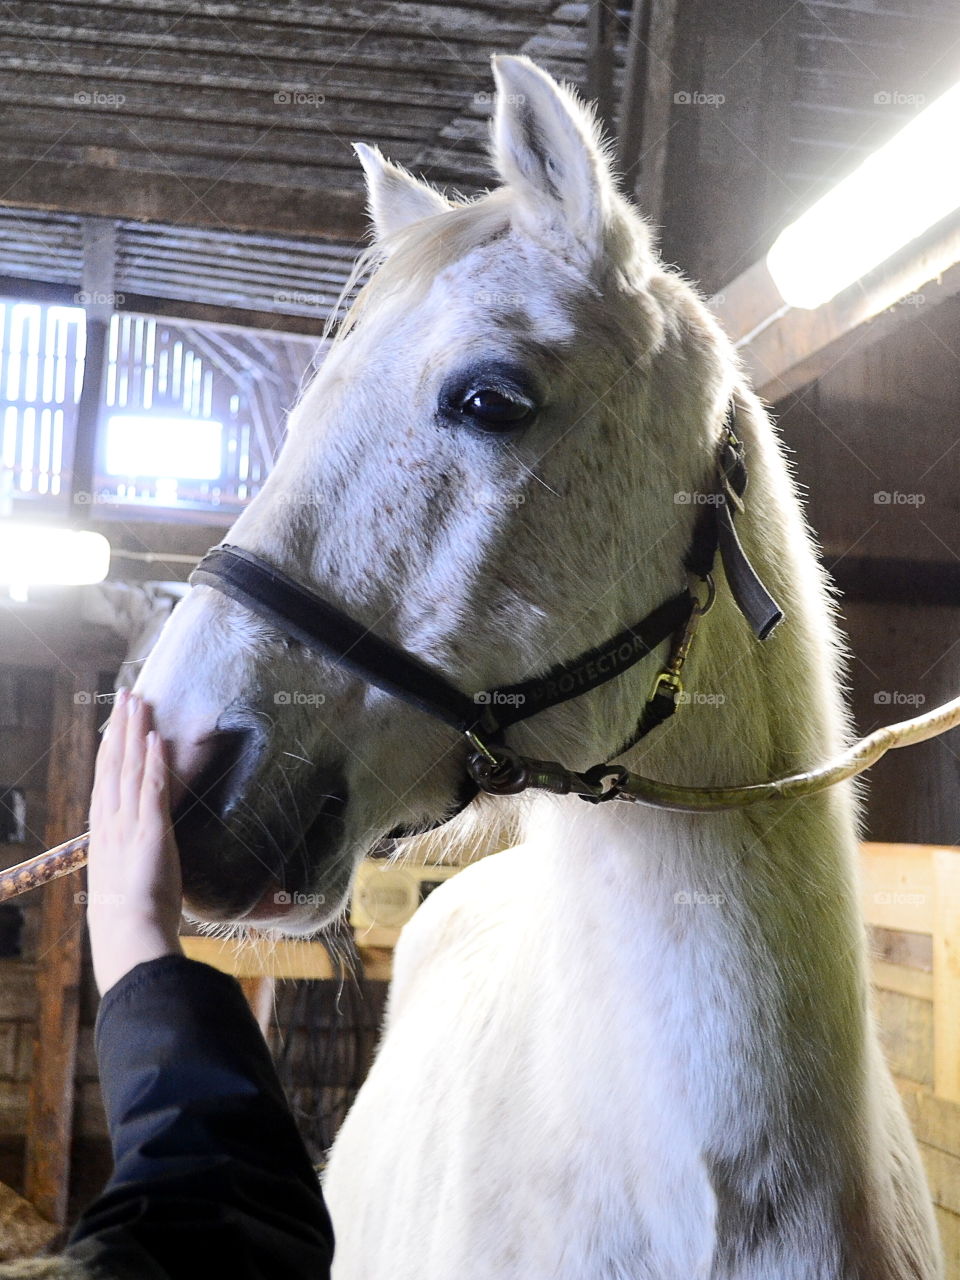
point(484, 472)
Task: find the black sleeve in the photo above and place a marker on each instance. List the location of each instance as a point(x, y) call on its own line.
point(210, 1175)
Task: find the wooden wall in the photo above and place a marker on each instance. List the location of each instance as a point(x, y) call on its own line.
point(27, 750)
point(910, 899)
point(26, 702)
point(875, 448)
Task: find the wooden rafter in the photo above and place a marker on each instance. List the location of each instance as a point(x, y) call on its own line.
point(323, 212)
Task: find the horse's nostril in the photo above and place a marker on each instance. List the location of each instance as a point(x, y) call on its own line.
point(231, 758)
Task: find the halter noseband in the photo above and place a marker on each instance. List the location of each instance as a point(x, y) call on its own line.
point(483, 717)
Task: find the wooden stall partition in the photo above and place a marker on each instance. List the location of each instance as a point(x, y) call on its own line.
point(911, 901)
point(59, 960)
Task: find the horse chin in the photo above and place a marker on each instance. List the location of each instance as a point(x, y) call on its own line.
point(278, 912)
point(269, 874)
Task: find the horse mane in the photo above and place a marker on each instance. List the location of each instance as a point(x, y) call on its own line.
point(407, 261)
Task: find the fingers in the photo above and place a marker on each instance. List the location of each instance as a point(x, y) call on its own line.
point(154, 796)
point(106, 779)
point(130, 775)
point(134, 754)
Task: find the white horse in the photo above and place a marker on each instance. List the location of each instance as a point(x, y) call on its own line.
point(638, 1045)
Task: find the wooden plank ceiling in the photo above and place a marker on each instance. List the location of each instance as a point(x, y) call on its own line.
point(262, 95)
point(217, 135)
point(217, 127)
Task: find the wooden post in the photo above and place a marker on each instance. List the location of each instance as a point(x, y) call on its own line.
point(946, 975)
point(259, 993)
point(601, 42)
point(630, 139)
point(50, 1112)
point(648, 106)
point(99, 255)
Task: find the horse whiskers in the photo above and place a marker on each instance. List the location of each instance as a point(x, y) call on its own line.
point(531, 473)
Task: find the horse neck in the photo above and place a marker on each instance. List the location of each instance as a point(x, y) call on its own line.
point(754, 711)
point(731, 918)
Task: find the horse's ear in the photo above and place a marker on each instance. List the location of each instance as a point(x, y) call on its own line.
point(396, 198)
point(546, 147)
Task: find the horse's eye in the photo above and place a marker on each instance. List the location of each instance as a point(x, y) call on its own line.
point(495, 397)
point(495, 410)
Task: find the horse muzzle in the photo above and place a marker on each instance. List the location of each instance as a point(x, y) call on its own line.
point(255, 843)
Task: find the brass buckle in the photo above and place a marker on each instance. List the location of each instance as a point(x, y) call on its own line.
point(667, 683)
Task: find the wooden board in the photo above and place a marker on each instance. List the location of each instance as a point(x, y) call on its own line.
point(946, 974)
point(897, 886)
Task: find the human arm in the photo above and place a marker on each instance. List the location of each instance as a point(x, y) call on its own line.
point(209, 1169)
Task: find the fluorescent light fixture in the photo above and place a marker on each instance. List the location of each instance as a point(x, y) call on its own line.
point(150, 445)
point(894, 196)
point(35, 555)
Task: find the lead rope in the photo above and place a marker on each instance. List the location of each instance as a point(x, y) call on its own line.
point(501, 771)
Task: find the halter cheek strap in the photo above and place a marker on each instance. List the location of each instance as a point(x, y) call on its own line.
point(715, 531)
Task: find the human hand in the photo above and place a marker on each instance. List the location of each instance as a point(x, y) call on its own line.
point(134, 892)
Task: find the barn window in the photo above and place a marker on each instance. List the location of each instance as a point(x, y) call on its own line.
point(191, 416)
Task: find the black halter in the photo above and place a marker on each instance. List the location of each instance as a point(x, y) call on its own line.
point(307, 618)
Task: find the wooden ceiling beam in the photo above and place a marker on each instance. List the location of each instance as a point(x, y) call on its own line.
point(212, 313)
point(317, 213)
